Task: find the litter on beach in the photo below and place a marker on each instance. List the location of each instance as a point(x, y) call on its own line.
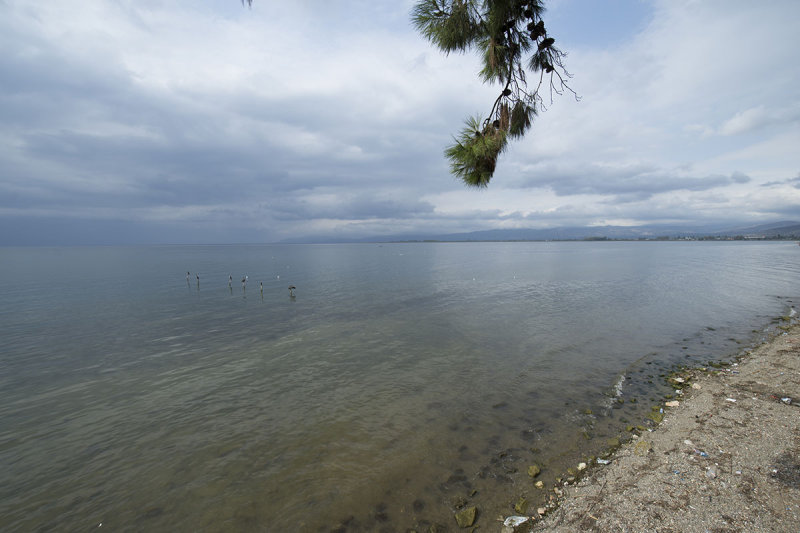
point(730, 400)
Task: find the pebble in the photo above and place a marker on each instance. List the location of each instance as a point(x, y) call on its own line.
point(673, 403)
point(581, 466)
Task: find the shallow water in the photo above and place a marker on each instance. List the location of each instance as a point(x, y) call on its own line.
point(399, 381)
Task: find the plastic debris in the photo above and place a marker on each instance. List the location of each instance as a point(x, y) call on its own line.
point(787, 401)
point(514, 521)
point(730, 400)
point(603, 461)
point(673, 403)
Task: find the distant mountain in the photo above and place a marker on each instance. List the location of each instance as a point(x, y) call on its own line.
point(786, 229)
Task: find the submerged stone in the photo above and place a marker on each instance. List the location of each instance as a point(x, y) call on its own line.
point(534, 470)
point(522, 505)
point(466, 517)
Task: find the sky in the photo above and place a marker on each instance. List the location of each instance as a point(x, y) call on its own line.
point(203, 121)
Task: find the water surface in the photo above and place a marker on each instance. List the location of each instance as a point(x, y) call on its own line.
point(400, 381)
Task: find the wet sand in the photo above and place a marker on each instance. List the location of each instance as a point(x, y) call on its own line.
point(725, 459)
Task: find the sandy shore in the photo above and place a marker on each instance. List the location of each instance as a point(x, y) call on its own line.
point(726, 459)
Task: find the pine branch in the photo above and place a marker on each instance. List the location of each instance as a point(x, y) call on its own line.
point(503, 31)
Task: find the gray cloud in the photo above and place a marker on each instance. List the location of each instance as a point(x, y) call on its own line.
point(203, 121)
point(627, 184)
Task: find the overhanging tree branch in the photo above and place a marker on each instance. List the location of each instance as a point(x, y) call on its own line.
point(502, 31)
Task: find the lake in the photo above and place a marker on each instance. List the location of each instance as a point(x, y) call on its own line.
point(397, 382)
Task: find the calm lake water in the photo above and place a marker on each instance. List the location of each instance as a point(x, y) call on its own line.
point(400, 381)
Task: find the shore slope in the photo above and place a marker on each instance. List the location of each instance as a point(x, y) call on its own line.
point(727, 459)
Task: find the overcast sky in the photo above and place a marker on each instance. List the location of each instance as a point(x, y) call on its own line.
point(200, 121)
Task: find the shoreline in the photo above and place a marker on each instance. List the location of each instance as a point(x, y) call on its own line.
point(726, 458)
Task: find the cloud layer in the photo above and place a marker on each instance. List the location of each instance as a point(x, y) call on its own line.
point(206, 122)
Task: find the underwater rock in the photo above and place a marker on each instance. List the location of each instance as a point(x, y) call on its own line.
point(522, 505)
point(466, 517)
point(534, 470)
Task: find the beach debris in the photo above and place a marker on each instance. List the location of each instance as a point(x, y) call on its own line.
point(514, 524)
point(466, 516)
point(732, 400)
point(673, 403)
point(695, 386)
point(581, 466)
point(688, 442)
point(542, 511)
point(701, 453)
point(539, 485)
point(711, 473)
point(787, 400)
point(603, 461)
point(534, 470)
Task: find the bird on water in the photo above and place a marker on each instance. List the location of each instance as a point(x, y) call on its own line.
point(291, 290)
